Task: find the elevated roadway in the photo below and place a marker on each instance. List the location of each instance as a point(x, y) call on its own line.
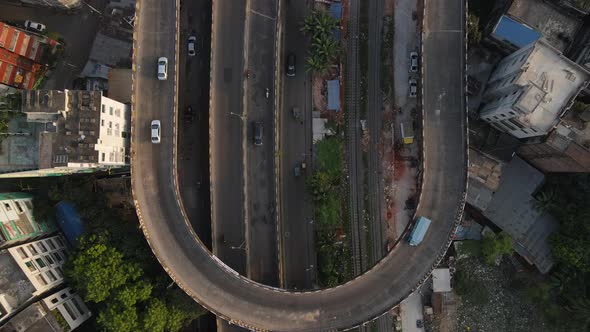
point(239, 300)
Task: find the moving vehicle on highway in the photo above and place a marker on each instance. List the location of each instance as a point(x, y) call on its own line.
point(38, 27)
point(413, 88)
point(413, 62)
point(258, 131)
point(192, 46)
point(419, 230)
point(155, 129)
point(291, 65)
point(162, 68)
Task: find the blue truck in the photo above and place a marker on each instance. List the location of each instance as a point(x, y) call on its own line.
point(419, 230)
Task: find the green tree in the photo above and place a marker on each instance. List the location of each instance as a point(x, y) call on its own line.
point(329, 154)
point(545, 200)
point(119, 318)
point(319, 184)
point(473, 32)
point(318, 25)
point(494, 246)
point(97, 269)
point(328, 211)
point(156, 316)
point(572, 250)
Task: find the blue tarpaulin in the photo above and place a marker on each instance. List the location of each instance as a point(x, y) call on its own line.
point(69, 221)
point(515, 33)
point(336, 10)
point(334, 95)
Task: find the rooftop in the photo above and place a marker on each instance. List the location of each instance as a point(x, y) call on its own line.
point(553, 82)
point(512, 209)
point(15, 287)
point(557, 26)
point(484, 178)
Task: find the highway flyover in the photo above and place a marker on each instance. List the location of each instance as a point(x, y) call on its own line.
point(239, 300)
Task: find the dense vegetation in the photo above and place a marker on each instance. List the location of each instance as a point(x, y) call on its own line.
point(565, 294)
point(325, 188)
point(113, 268)
point(324, 48)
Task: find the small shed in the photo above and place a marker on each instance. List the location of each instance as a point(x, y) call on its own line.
point(441, 280)
point(68, 220)
point(407, 132)
point(334, 95)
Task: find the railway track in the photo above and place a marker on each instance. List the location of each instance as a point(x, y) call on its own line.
point(355, 181)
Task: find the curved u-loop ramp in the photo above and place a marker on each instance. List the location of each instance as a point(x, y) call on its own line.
point(255, 306)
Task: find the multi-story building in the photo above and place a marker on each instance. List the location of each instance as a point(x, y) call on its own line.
point(560, 152)
point(21, 55)
point(32, 292)
point(56, 4)
point(17, 222)
point(83, 131)
point(530, 90)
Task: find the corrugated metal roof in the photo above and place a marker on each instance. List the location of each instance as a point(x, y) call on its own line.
point(334, 95)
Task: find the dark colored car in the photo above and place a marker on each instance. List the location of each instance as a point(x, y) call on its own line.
point(419, 324)
point(258, 132)
point(291, 65)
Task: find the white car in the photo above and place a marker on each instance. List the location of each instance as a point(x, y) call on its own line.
point(413, 88)
point(162, 68)
point(155, 129)
point(192, 46)
point(413, 62)
point(30, 25)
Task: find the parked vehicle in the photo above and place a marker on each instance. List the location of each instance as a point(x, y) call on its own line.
point(413, 88)
point(291, 65)
point(38, 27)
point(419, 323)
point(413, 62)
point(162, 68)
point(155, 129)
point(258, 132)
point(296, 112)
point(192, 46)
point(419, 231)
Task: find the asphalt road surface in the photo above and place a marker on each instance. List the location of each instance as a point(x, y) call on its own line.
point(249, 304)
point(298, 229)
point(261, 208)
point(227, 137)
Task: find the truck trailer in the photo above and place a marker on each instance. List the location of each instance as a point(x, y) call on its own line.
point(419, 230)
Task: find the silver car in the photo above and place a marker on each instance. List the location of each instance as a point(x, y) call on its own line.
point(155, 129)
point(192, 46)
point(162, 68)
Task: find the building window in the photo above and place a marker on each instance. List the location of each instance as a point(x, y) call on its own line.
point(103, 108)
point(22, 253)
point(7, 207)
point(50, 244)
point(516, 123)
point(54, 300)
point(50, 276)
point(42, 246)
point(29, 204)
point(30, 266)
point(18, 207)
point(110, 110)
point(117, 112)
point(32, 249)
point(57, 256)
point(48, 259)
point(70, 311)
point(59, 272)
point(110, 124)
point(102, 123)
point(40, 262)
point(64, 295)
point(78, 305)
point(533, 129)
point(41, 280)
point(102, 155)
